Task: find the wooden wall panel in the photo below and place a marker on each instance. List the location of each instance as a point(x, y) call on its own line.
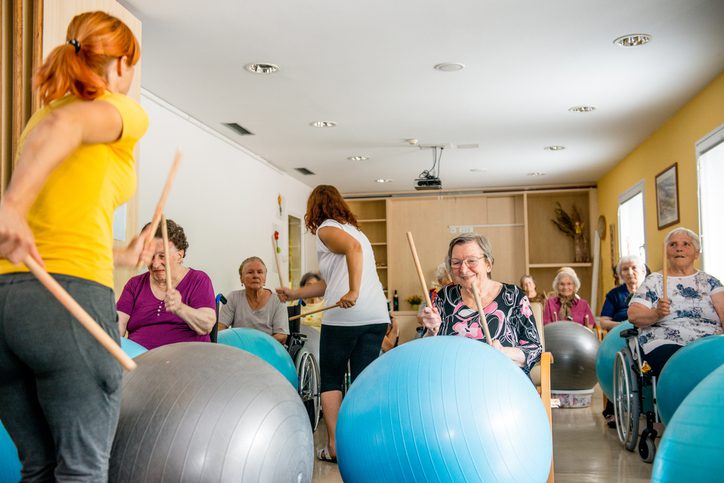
point(429, 220)
point(20, 55)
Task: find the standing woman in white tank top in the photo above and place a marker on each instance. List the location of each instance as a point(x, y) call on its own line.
point(353, 332)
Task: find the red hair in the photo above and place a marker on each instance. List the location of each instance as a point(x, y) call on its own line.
point(81, 68)
point(326, 203)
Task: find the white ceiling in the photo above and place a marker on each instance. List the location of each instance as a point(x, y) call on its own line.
point(368, 65)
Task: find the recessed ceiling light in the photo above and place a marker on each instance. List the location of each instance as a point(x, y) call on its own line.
point(323, 124)
point(382, 180)
point(477, 170)
point(358, 158)
point(449, 67)
point(536, 173)
point(262, 68)
point(582, 108)
point(554, 148)
point(633, 40)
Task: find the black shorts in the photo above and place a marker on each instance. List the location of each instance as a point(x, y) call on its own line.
point(360, 345)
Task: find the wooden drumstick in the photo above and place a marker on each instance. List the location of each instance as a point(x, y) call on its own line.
point(665, 272)
point(166, 254)
point(276, 260)
point(483, 320)
point(162, 201)
point(295, 317)
point(420, 275)
point(79, 313)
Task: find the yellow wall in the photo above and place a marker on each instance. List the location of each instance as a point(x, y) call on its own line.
point(673, 142)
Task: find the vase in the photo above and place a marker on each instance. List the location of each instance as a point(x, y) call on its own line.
point(415, 307)
point(580, 246)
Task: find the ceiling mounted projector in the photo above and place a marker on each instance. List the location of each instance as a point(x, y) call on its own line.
point(430, 178)
point(424, 184)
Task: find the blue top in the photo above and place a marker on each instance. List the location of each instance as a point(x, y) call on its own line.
point(616, 304)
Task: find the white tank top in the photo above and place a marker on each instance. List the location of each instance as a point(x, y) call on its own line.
point(371, 306)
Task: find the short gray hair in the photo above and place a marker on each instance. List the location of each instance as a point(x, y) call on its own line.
point(570, 273)
point(684, 231)
point(636, 260)
point(249, 260)
point(464, 238)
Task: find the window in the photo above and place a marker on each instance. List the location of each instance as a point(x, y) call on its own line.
point(710, 171)
point(632, 223)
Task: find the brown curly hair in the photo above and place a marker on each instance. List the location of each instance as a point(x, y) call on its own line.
point(176, 235)
point(325, 203)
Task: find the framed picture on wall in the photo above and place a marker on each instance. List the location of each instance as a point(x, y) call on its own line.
point(667, 197)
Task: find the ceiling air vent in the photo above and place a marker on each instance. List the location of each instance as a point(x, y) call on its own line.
point(304, 171)
point(238, 129)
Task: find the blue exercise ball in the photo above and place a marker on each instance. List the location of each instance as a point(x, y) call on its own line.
point(132, 349)
point(607, 350)
point(686, 368)
point(9, 460)
point(263, 346)
point(692, 447)
point(443, 409)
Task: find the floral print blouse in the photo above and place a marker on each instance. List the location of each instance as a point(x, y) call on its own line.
point(692, 312)
point(509, 316)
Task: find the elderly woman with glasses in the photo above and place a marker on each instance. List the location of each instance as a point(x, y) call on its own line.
point(507, 310)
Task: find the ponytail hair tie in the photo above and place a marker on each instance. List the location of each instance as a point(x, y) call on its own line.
point(75, 44)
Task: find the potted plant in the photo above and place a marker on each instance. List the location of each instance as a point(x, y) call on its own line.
point(414, 301)
point(572, 226)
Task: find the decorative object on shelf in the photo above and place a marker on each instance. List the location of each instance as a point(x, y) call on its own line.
point(572, 226)
point(667, 197)
point(395, 302)
point(414, 301)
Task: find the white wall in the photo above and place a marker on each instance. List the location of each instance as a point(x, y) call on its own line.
point(223, 197)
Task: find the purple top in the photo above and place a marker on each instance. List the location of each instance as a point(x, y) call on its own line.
point(150, 324)
point(579, 310)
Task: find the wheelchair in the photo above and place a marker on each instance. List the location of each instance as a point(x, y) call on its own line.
point(634, 395)
point(307, 365)
point(305, 362)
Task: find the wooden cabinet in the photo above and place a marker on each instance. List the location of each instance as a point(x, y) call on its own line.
point(547, 248)
point(518, 225)
point(372, 218)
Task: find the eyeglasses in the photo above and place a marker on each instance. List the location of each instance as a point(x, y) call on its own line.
point(471, 262)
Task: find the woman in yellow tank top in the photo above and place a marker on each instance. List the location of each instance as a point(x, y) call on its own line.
point(59, 389)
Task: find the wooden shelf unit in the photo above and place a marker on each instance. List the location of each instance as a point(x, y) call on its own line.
point(516, 223)
point(372, 217)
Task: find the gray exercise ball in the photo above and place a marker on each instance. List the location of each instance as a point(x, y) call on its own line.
point(574, 350)
point(209, 413)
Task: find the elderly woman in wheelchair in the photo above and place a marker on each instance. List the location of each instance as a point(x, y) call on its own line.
point(691, 308)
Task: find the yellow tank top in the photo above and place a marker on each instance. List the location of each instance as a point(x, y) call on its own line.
point(72, 218)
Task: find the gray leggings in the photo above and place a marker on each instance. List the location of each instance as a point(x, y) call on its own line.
point(59, 389)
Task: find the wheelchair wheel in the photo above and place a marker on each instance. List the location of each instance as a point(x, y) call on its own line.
point(309, 385)
point(647, 446)
point(626, 402)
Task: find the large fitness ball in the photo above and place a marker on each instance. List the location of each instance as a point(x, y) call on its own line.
point(692, 448)
point(261, 345)
point(574, 350)
point(443, 409)
point(131, 348)
point(205, 412)
point(606, 355)
point(9, 460)
point(686, 368)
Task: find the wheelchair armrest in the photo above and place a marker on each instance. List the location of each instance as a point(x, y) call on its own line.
point(628, 333)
